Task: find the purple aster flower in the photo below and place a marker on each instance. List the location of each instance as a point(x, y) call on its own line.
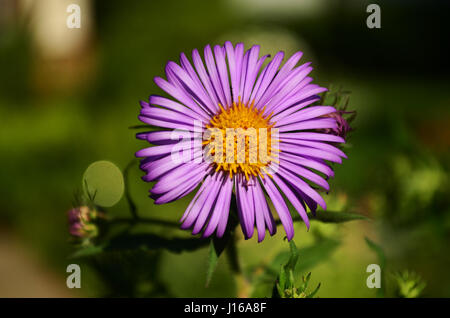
point(230, 90)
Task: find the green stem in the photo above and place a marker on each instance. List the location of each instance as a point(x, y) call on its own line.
point(131, 204)
point(243, 286)
point(242, 283)
point(143, 221)
point(232, 255)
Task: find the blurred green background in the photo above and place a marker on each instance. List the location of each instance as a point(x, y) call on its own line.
point(68, 96)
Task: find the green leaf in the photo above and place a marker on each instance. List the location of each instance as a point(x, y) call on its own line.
point(147, 127)
point(311, 256)
point(282, 279)
point(213, 257)
point(305, 282)
point(216, 247)
point(316, 253)
point(409, 284)
point(314, 292)
point(290, 265)
point(103, 183)
point(87, 251)
point(382, 262)
point(378, 250)
point(332, 217)
point(293, 258)
point(285, 279)
point(278, 292)
point(336, 217)
point(291, 280)
point(144, 242)
point(150, 241)
point(285, 285)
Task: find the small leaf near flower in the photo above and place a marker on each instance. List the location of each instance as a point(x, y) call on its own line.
point(337, 217)
point(285, 286)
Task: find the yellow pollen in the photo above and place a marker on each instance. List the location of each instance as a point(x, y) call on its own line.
point(246, 117)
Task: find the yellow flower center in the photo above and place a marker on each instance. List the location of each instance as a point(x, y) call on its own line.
point(243, 134)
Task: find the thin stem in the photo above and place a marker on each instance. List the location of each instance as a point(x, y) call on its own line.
point(243, 285)
point(232, 255)
point(144, 221)
point(131, 204)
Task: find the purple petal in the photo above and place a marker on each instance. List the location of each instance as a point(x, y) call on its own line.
point(259, 215)
point(252, 71)
point(232, 66)
point(298, 183)
point(239, 56)
point(310, 124)
point(177, 176)
point(172, 105)
point(246, 209)
point(206, 80)
point(163, 137)
point(318, 145)
point(157, 167)
point(281, 75)
point(269, 73)
point(205, 211)
point(310, 163)
point(288, 87)
point(312, 136)
point(196, 91)
point(221, 208)
point(213, 75)
point(223, 72)
point(263, 215)
point(305, 173)
point(258, 82)
point(243, 74)
point(164, 149)
point(311, 152)
point(293, 199)
point(290, 108)
point(179, 95)
point(290, 99)
point(164, 124)
point(280, 206)
point(184, 188)
point(268, 217)
point(196, 203)
point(305, 114)
point(301, 196)
point(221, 227)
point(188, 67)
point(167, 115)
point(310, 90)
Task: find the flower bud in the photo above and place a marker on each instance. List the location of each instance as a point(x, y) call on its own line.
point(343, 126)
point(81, 222)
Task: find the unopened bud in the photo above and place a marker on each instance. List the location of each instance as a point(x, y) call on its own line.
point(343, 126)
point(81, 222)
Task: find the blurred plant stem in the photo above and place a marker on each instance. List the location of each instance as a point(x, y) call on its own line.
point(143, 221)
point(131, 204)
point(242, 283)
